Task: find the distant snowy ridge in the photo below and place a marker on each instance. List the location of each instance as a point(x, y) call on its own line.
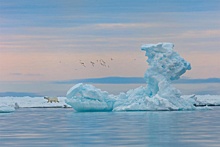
point(18, 94)
point(165, 66)
point(132, 80)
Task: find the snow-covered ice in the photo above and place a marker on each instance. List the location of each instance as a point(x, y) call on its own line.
point(209, 100)
point(32, 102)
point(165, 66)
point(39, 102)
point(7, 109)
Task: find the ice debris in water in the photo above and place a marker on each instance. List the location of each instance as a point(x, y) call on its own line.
point(165, 66)
point(6, 109)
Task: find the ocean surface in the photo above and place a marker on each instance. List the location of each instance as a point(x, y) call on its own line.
point(31, 127)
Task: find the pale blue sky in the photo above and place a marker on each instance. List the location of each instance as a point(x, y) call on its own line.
point(45, 40)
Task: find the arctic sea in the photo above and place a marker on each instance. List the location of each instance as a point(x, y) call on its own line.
point(29, 127)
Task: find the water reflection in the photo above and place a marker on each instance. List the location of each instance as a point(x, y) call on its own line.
point(63, 127)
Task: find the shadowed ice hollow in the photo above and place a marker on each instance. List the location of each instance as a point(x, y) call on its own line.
point(165, 65)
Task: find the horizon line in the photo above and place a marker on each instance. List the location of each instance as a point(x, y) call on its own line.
point(133, 80)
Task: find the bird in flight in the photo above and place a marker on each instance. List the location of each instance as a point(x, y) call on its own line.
point(92, 63)
point(82, 63)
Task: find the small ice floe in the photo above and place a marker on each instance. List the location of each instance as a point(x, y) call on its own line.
point(207, 100)
point(7, 109)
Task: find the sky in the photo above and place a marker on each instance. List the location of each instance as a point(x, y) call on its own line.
point(42, 41)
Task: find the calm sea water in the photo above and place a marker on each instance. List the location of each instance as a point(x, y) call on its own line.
point(63, 127)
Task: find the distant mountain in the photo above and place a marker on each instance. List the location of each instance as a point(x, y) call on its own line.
point(197, 81)
point(106, 80)
point(133, 80)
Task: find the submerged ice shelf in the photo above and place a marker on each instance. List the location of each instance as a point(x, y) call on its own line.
point(165, 66)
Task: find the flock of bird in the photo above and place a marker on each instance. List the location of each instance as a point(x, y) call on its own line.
point(99, 62)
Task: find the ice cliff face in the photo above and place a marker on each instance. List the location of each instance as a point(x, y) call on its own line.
point(165, 66)
point(84, 97)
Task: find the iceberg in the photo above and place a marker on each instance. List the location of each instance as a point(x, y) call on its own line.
point(165, 64)
point(85, 97)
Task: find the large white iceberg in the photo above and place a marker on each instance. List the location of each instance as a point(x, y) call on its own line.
point(165, 66)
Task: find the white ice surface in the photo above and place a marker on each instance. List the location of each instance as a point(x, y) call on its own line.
point(7, 109)
point(208, 100)
point(30, 102)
